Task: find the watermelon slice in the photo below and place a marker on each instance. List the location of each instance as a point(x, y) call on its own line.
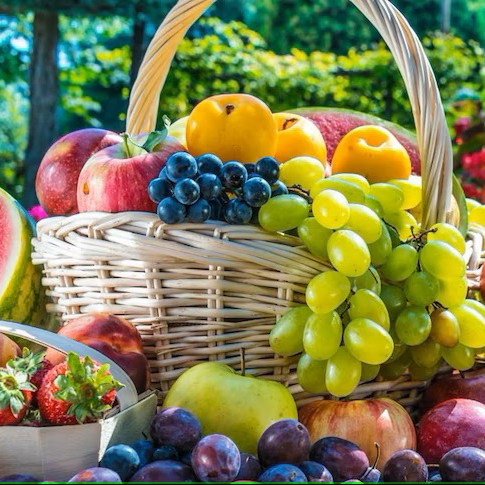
point(22, 297)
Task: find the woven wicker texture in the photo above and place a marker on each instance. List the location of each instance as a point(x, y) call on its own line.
point(208, 291)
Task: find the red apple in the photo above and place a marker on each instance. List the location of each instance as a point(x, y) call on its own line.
point(116, 178)
point(450, 424)
point(465, 384)
point(363, 421)
point(115, 337)
point(56, 179)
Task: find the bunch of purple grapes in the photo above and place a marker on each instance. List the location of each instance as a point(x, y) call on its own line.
point(195, 189)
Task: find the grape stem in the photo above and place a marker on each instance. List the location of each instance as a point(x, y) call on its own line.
point(242, 352)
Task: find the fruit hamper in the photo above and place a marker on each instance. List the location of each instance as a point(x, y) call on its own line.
point(213, 290)
point(57, 452)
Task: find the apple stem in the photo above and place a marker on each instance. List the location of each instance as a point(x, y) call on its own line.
point(126, 143)
point(242, 352)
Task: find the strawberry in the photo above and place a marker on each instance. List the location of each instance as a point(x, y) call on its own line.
point(15, 395)
point(78, 390)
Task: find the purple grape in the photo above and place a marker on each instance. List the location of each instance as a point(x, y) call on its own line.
point(315, 472)
point(210, 186)
point(237, 212)
point(216, 458)
point(209, 163)
point(372, 475)
point(279, 188)
point(250, 468)
point(284, 441)
point(405, 465)
point(176, 426)
point(198, 212)
point(122, 459)
point(95, 474)
point(343, 458)
point(171, 211)
point(159, 188)
point(233, 175)
point(163, 471)
point(186, 191)
point(180, 165)
point(268, 168)
point(256, 192)
point(282, 472)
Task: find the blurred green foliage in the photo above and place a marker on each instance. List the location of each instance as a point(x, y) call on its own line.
point(215, 57)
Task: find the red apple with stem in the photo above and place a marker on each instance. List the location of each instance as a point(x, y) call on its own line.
point(116, 178)
point(366, 422)
point(58, 172)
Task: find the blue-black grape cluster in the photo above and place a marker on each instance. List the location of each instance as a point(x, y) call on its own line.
point(195, 189)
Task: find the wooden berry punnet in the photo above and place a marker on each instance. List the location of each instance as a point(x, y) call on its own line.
point(58, 452)
point(207, 291)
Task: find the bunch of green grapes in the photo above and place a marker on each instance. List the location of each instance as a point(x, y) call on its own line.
point(394, 298)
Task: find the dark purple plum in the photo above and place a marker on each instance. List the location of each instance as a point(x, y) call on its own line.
point(145, 449)
point(343, 458)
point(316, 472)
point(96, 474)
point(19, 477)
point(216, 458)
point(176, 426)
point(405, 465)
point(250, 468)
point(372, 475)
point(166, 452)
point(463, 464)
point(122, 459)
point(284, 441)
point(164, 471)
point(282, 472)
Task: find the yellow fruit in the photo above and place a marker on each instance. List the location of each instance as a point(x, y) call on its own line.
point(233, 126)
point(374, 152)
point(298, 136)
point(302, 170)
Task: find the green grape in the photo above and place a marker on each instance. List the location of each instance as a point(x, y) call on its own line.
point(365, 222)
point(370, 280)
point(401, 263)
point(390, 196)
point(326, 291)
point(452, 292)
point(352, 192)
point(348, 253)
point(368, 341)
point(459, 357)
point(369, 372)
point(301, 170)
point(394, 299)
point(323, 335)
point(343, 373)
point(444, 327)
point(372, 202)
point(413, 325)
point(427, 354)
point(476, 305)
point(367, 304)
point(421, 373)
point(404, 222)
point(311, 374)
point(315, 237)
point(394, 236)
point(381, 248)
point(354, 178)
point(283, 212)
point(472, 326)
point(331, 209)
point(396, 368)
point(286, 337)
point(442, 260)
point(421, 288)
point(442, 231)
point(411, 188)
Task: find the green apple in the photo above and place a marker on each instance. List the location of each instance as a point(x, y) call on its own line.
point(239, 406)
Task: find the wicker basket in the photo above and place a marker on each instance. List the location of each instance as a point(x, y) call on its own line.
point(206, 291)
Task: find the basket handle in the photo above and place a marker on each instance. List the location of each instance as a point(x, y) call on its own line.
point(126, 395)
point(434, 142)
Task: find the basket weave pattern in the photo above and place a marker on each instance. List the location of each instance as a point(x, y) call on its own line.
point(206, 291)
